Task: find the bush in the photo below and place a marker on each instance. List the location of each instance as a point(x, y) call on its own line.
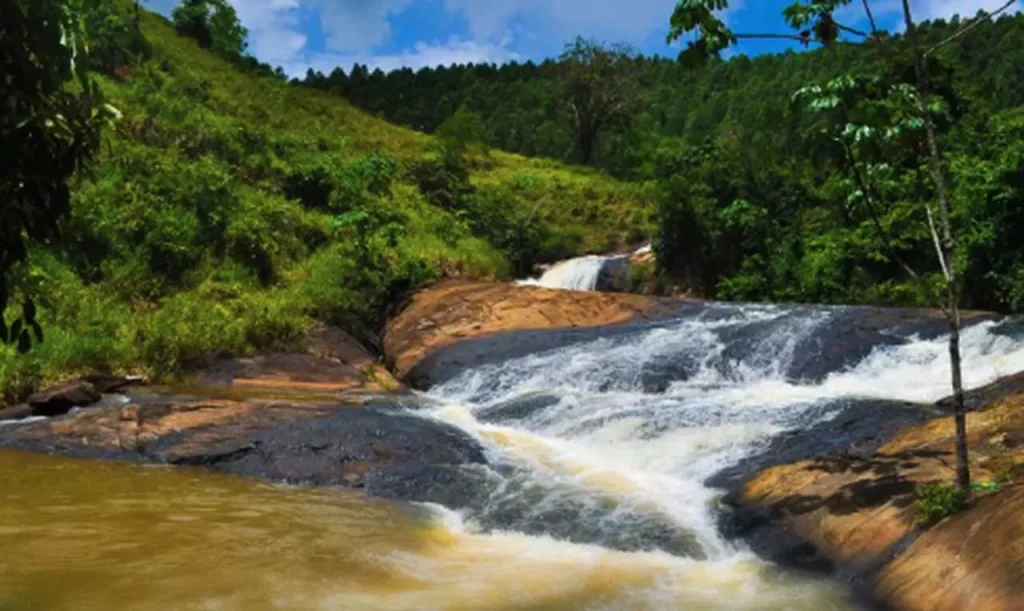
point(938, 501)
point(442, 178)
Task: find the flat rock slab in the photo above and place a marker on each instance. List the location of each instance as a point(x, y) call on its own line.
point(854, 512)
point(332, 363)
point(318, 444)
point(454, 311)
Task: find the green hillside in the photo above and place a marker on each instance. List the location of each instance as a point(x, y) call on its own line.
point(227, 213)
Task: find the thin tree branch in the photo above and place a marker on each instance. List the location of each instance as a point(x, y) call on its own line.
point(847, 28)
point(935, 239)
point(796, 37)
point(970, 26)
point(871, 19)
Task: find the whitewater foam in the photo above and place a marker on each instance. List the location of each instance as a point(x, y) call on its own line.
point(605, 434)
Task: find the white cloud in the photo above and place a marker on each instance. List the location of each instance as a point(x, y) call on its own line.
point(357, 25)
point(356, 30)
point(557, 21)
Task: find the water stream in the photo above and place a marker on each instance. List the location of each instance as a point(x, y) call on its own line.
point(597, 498)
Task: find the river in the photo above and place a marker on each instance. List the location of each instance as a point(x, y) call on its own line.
point(598, 498)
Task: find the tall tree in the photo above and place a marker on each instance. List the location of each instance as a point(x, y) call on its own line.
point(47, 131)
point(601, 91)
point(815, 23)
point(213, 24)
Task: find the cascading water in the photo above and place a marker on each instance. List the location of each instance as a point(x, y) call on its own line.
point(580, 274)
point(610, 441)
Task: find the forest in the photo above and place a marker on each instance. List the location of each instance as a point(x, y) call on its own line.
point(207, 206)
point(751, 201)
point(203, 207)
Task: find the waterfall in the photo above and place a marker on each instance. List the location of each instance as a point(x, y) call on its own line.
point(580, 274)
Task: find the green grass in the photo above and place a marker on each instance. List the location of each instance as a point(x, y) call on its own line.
point(209, 223)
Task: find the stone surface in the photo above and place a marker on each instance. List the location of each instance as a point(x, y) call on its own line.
point(60, 399)
point(16, 412)
point(854, 511)
point(453, 311)
point(334, 363)
point(301, 443)
point(614, 274)
point(845, 337)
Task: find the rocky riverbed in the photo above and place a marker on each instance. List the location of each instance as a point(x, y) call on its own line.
point(819, 461)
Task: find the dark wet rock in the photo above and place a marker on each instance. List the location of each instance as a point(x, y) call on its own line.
point(400, 401)
point(980, 397)
point(60, 399)
point(454, 486)
point(519, 501)
point(518, 408)
point(858, 428)
point(299, 443)
point(446, 363)
point(756, 526)
point(16, 412)
point(339, 449)
point(838, 338)
point(614, 274)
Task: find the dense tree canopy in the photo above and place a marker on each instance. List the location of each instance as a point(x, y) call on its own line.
point(752, 196)
point(47, 130)
point(213, 24)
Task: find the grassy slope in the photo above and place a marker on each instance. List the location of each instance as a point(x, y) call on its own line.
point(182, 245)
point(606, 212)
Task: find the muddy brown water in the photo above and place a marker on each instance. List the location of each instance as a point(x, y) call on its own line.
point(91, 535)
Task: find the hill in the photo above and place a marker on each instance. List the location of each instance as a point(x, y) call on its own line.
point(229, 212)
point(755, 200)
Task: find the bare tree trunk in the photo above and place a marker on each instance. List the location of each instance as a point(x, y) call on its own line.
point(947, 257)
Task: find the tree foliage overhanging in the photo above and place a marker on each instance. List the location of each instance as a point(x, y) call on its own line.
point(751, 204)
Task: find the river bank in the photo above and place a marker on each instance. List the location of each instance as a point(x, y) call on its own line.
point(617, 422)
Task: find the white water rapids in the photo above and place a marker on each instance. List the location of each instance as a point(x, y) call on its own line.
point(579, 274)
point(600, 460)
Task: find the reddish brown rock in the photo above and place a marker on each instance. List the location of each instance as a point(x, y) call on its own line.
point(456, 310)
point(333, 363)
point(859, 513)
point(60, 399)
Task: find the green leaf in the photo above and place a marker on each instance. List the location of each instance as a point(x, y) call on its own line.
point(3, 329)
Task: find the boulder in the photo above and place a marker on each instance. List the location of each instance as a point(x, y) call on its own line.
point(60, 399)
point(454, 311)
point(851, 511)
point(15, 412)
point(334, 363)
point(614, 274)
point(324, 444)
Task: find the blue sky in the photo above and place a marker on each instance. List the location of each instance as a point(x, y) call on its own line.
point(322, 34)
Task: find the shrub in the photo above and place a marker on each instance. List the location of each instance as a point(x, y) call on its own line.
point(938, 501)
point(442, 178)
